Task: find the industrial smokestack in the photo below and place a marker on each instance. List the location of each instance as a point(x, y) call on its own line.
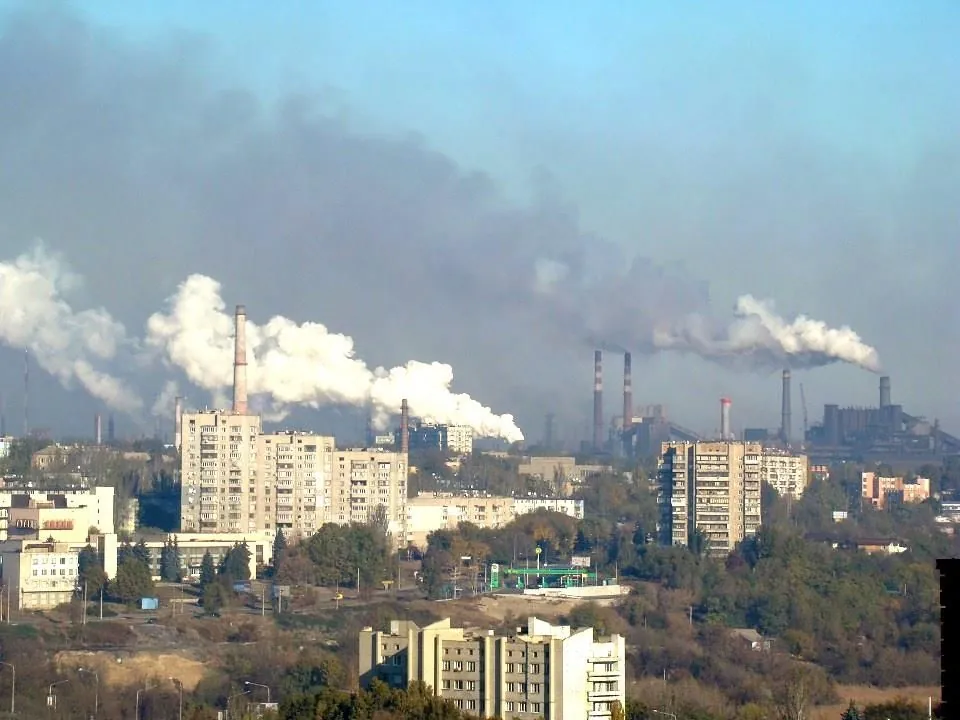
point(785, 429)
point(177, 422)
point(240, 362)
point(98, 429)
point(404, 427)
point(597, 400)
point(725, 418)
point(111, 430)
point(884, 391)
point(627, 392)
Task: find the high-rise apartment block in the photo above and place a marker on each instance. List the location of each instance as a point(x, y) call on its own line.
point(218, 473)
point(550, 672)
point(370, 486)
point(292, 488)
point(710, 487)
point(787, 473)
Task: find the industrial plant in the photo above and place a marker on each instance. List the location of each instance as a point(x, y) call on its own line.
point(883, 433)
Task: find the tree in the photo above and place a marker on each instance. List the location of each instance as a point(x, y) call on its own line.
point(279, 550)
point(208, 572)
point(213, 597)
point(133, 581)
point(90, 571)
point(235, 565)
point(852, 713)
point(170, 561)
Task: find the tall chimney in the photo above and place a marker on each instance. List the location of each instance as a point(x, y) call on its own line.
point(98, 429)
point(627, 393)
point(240, 362)
point(725, 418)
point(404, 427)
point(177, 422)
point(785, 429)
point(885, 391)
point(597, 400)
point(111, 429)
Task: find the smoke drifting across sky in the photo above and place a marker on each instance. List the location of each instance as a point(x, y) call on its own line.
point(143, 166)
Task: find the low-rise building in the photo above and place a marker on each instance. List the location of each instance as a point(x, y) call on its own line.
point(561, 471)
point(879, 491)
point(551, 672)
point(429, 512)
point(193, 546)
point(39, 575)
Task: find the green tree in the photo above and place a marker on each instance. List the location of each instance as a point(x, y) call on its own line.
point(279, 550)
point(208, 571)
point(170, 561)
point(235, 565)
point(133, 582)
point(213, 597)
point(852, 713)
point(90, 571)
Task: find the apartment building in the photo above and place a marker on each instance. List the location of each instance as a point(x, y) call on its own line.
point(293, 482)
point(218, 471)
point(370, 485)
point(40, 575)
point(713, 487)
point(550, 672)
point(788, 473)
point(460, 439)
point(879, 491)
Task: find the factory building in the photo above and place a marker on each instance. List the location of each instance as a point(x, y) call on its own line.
point(236, 479)
point(710, 487)
point(550, 672)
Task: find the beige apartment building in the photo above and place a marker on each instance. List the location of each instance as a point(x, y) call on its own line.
point(787, 473)
point(218, 473)
point(713, 487)
point(236, 479)
point(550, 672)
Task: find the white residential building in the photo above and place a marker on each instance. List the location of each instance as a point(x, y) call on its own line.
point(459, 439)
point(550, 671)
point(40, 575)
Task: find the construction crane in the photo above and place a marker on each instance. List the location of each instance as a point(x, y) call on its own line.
point(803, 404)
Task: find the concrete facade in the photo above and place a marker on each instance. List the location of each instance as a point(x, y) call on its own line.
point(713, 487)
point(40, 575)
point(193, 546)
point(550, 672)
point(787, 473)
point(367, 482)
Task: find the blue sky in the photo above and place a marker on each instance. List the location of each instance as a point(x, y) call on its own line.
point(806, 151)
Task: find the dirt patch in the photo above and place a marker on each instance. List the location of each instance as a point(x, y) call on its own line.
point(867, 695)
point(121, 668)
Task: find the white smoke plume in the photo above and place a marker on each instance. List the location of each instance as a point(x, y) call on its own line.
point(760, 336)
point(305, 364)
point(163, 406)
point(69, 345)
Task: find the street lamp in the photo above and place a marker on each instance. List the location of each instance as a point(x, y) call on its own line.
point(13, 686)
point(265, 687)
point(144, 689)
point(230, 699)
point(50, 694)
point(180, 688)
point(96, 697)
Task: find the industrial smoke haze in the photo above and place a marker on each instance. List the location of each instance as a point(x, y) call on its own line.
point(71, 346)
point(764, 339)
point(305, 364)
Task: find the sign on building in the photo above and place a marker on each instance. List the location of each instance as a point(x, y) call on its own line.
point(580, 561)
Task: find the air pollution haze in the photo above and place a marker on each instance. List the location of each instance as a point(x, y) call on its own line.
point(156, 160)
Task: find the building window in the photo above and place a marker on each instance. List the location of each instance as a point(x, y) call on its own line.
point(521, 707)
point(446, 665)
point(471, 667)
point(510, 707)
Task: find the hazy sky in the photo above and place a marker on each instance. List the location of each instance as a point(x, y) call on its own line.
point(391, 169)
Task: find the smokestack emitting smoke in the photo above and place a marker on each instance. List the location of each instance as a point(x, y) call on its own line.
point(597, 400)
point(725, 419)
point(785, 429)
point(404, 427)
point(627, 392)
point(240, 361)
point(884, 391)
point(178, 422)
point(290, 364)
